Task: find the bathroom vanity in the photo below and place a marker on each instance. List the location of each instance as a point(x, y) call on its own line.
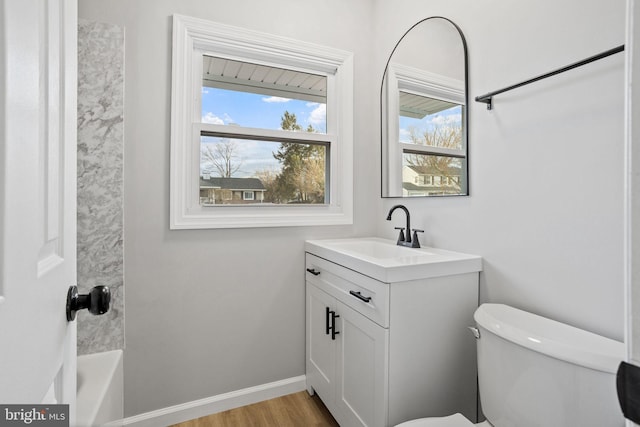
point(387, 338)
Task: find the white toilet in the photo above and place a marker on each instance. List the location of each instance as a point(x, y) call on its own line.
point(536, 372)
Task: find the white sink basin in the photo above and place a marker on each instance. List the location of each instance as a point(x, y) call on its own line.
point(377, 249)
point(384, 260)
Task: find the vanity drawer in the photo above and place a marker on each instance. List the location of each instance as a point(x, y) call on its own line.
point(364, 294)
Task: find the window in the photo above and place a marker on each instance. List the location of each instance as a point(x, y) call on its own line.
point(261, 130)
point(426, 116)
point(238, 94)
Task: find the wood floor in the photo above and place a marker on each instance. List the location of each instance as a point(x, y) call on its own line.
point(293, 410)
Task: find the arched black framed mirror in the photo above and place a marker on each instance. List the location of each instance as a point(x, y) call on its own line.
point(424, 117)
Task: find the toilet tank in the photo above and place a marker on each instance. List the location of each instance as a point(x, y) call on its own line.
point(538, 372)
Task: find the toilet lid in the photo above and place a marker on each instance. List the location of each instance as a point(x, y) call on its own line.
point(455, 420)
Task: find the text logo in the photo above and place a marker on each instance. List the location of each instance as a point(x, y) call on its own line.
point(34, 415)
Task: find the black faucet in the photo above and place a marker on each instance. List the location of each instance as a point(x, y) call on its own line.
point(406, 240)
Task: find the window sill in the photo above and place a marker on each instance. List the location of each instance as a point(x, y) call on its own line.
point(259, 216)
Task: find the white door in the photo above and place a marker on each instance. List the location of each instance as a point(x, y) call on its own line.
point(38, 57)
point(632, 194)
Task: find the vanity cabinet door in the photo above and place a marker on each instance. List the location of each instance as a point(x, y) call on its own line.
point(362, 366)
point(321, 348)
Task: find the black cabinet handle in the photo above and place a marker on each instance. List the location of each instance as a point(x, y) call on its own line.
point(333, 325)
point(359, 296)
point(328, 324)
point(313, 271)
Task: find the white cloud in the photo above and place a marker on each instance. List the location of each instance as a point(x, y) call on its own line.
point(275, 99)
point(438, 120)
point(228, 119)
point(212, 118)
point(318, 115)
point(448, 119)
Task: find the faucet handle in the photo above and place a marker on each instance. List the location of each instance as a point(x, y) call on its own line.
point(401, 236)
point(415, 243)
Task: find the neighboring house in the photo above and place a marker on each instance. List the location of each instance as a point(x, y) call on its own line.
point(218, 191)
point(428, 180)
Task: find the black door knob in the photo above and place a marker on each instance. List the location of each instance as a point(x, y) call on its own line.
point(96, 301)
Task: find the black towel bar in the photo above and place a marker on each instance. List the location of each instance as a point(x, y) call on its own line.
point(488, 98)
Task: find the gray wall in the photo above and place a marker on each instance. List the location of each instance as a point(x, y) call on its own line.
point(218, 310)
point(546, 165)
point(214, 311)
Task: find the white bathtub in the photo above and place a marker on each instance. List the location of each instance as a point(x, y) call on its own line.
point(100, 389)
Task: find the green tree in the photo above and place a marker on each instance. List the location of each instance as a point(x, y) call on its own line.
point(302, 177)
point(290, 122)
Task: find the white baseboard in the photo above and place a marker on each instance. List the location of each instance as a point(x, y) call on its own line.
point(214, 404)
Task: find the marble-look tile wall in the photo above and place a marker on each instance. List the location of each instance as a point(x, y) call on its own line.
point(100, 180)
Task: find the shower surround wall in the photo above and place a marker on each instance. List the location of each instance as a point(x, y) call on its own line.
point(100, 180)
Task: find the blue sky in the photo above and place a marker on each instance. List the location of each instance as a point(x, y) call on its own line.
point(260, 111)
point(227, 107)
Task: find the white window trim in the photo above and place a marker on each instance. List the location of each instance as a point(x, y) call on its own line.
point(251, 192)
point(191, 38)
point(422, 83)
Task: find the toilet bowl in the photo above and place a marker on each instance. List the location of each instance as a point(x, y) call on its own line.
point(535, 371)
point(455, 420)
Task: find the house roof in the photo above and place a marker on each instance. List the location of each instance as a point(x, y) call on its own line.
point(250, 184)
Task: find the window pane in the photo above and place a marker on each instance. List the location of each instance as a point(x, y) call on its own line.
point(429, 121)
point(241, 171)
point(258, 96)
point(428, 175)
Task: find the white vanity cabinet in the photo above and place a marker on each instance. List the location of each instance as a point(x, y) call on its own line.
point(380, 353)
point(347, 351)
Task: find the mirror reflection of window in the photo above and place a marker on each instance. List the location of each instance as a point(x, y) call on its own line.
point(430, 121)
point(430, 175)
